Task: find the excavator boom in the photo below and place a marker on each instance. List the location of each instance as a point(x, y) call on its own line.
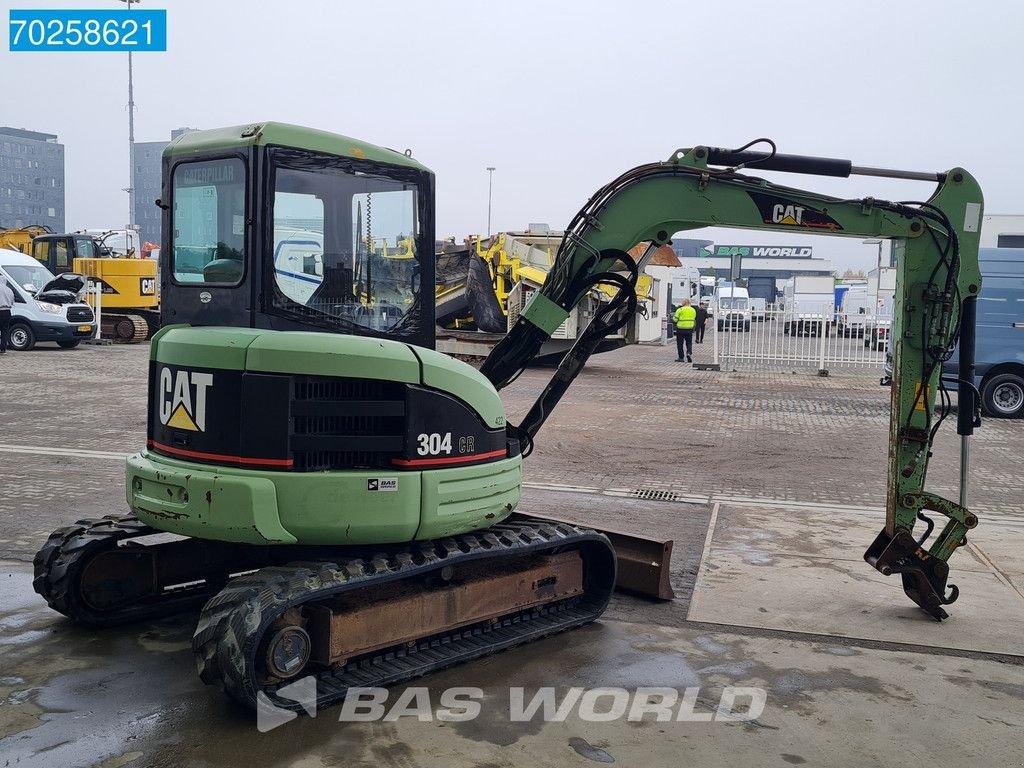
point(938, 281)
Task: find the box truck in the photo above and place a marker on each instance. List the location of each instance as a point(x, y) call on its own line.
point(808, 303)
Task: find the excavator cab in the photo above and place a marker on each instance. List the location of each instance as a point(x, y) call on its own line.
point(323, 259)
point(59, 251)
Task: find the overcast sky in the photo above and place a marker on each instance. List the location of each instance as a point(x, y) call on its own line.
point(560, 97)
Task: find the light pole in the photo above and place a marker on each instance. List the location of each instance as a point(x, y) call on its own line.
point(875, 241)
point(490, 188)
point(131, 142)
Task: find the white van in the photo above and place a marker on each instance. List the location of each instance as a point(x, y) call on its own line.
point(731, 307)
point(46, 308)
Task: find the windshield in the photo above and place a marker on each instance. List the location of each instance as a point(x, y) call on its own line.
point(35, 276)
point(85, 247)
point(344, 246)
point(731, 302)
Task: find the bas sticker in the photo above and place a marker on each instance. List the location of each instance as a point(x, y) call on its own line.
point(183, 399)
point(382, 484)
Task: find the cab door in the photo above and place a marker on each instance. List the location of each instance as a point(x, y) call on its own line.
point(206, 262)
point(55, 252)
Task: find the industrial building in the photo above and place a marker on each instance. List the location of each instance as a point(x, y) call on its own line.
point(31, 179)
point(146, 185)
point(764, 267)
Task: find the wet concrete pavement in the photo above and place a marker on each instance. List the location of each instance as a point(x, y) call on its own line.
point(128, 697)
point(771, 594)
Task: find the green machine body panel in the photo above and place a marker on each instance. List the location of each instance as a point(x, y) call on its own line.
point(335, 508)
point(262, 437)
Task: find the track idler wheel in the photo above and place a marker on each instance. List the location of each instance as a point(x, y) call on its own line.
point(288, 648)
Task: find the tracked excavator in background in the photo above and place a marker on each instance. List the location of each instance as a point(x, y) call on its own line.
point(130, 303)
point(130, 307)
point(343, 495)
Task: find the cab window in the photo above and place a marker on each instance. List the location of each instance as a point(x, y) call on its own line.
point(208, 244)
point(41, 250)
point(61, 260)
point(85, 247)
point(344, 247)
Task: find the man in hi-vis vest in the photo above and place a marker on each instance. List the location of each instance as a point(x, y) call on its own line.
point(685, 319)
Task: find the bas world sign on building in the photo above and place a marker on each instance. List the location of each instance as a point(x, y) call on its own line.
point(759, 251)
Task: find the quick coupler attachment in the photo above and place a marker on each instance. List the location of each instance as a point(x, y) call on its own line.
point(924, 576)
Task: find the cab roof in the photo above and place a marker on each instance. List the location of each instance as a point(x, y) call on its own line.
point(241, 137)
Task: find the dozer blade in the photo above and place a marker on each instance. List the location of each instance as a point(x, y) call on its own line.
point(643, 563)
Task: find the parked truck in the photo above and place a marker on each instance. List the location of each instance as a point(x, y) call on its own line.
point(758, 309)
point(856, 308)
point(731, 307)
point(808, 304)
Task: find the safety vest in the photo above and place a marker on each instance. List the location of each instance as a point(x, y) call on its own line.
point(685, 318)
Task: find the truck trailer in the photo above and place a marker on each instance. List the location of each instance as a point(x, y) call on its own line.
point(808, 304)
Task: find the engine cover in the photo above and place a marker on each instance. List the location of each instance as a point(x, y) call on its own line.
point(282, 437)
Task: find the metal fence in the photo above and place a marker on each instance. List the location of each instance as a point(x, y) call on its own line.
point(806, 337)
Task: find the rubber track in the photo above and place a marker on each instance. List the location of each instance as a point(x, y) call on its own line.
point(232, 624)
point(59, 562)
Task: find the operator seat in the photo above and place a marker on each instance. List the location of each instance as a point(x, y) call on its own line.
point(223, 271)
point(336, 287)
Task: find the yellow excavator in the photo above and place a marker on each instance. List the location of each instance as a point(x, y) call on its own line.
point(130, 305)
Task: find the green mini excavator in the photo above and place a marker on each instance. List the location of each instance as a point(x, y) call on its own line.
point(340, 493)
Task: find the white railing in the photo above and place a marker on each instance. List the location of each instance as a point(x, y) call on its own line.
point(94, 298)
point(819, 337)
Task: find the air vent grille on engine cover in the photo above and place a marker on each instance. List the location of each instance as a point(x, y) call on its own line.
point(343, 423)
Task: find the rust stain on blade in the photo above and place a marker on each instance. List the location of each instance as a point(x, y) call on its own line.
point(643, 563)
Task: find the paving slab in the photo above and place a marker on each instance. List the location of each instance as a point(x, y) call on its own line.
point(1001, 546)
point(796, 571)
